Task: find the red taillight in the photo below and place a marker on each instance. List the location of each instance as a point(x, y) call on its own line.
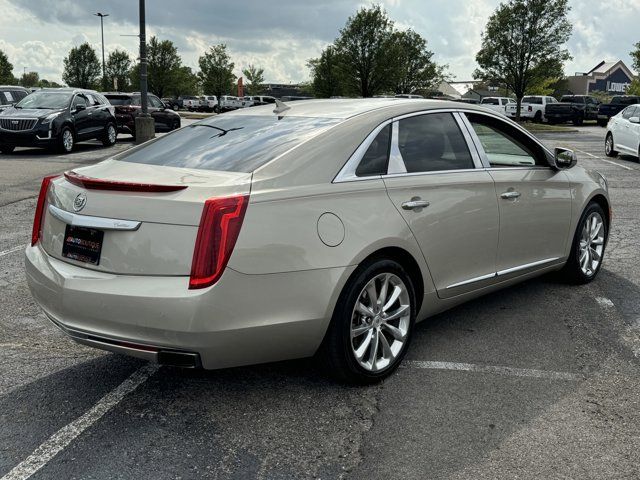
point(217, 234)
point(530, 108)
point(42, 201)
point(100, 184)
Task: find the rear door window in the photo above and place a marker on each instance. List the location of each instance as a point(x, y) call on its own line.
point(433, 142)
point(235, 143)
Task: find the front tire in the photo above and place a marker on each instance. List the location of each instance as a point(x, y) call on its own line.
point(589, 242)
point(66, 141)
point(609, 146)
point(110, 135)
point(578, 121)
point(7, 148)
point(372, 323)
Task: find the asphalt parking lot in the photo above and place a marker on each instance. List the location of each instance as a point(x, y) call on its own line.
point(541, 380)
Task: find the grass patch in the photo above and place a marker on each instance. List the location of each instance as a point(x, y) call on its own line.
point(541, 128)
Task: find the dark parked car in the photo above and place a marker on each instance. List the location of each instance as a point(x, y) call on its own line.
point(618, 103)
point(10, 95)
point(128, 106)
point(57, 118)
point(574, 108)
point(172, 103)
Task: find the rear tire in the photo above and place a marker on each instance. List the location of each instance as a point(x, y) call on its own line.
point(602, 123)
point(578, 121)
point(66, 142)
point(609, 146)
point(587, 250)
point(365, 343)
point(7, 148)
point(110, 135)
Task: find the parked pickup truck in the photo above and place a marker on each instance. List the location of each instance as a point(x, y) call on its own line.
point(532, 108)
point(618, 103)
point(191, 103)
point(573, 108)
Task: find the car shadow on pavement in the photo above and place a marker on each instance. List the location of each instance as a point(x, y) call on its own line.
point(286, 419)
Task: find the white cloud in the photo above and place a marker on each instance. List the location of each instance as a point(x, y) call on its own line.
point(281, 37)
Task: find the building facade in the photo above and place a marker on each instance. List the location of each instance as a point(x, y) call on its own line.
point(613, 78)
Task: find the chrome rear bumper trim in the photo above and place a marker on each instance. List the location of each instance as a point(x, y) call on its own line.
point(93, 222)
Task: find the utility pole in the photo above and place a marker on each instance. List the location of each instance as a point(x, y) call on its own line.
point(104, 73)
point(144, 123)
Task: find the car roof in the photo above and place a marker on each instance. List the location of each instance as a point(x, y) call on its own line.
point(14, 87)
point(347, 108)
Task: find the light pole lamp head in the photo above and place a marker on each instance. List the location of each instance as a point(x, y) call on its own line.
point(101, 14)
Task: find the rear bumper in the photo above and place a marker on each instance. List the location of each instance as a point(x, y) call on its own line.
point(243, 319)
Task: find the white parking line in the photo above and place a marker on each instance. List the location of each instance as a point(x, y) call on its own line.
point(513, 372)
point(604, 302)
point(605, 160)
point(12, 250)
point(63, 437)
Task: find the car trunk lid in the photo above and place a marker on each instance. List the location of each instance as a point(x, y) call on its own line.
point(167, 222)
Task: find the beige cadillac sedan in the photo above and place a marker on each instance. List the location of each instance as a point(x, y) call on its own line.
point(323, 227)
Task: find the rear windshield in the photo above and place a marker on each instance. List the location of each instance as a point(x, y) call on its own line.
point(532, 100)
point(234, 143)
point(490, 101)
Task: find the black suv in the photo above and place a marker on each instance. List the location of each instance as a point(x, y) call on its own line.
point(57, 118)
point(10, 94)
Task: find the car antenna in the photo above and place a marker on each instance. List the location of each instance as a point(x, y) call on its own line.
point(281, 107)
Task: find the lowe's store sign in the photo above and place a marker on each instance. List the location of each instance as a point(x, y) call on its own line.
point(616, 81)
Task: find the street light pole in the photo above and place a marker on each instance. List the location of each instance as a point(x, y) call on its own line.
point(144, 123)
point(102, 15)
point(143, 60)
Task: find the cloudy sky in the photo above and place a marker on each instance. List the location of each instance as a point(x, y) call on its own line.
point(282, 35)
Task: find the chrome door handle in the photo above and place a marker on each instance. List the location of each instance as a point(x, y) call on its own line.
point(413, 204)
point(508, 195)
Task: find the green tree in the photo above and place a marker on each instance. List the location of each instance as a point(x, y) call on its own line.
point(6, 70)
point(255, 79)
point(523, 43)
point(414, 68)
point(634, 88)
point(117, 68)
point(635, 55)
point(185, 82)
point(81, 67)
point(44, 83)
point(216, 71)
point(363, 49)
point(325, 74)
point(163, 66)
point(30, 79)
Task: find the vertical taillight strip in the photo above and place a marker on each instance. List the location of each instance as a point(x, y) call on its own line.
point(39, 215)
point(219, 228)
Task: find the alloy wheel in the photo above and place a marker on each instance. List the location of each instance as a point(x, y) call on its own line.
point(591, 244)
point(111, 134)
point(67, 140)
point(608, 145)
point(380, 322)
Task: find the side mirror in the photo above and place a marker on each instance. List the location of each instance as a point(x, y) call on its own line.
point(79, 108)
point(564, 158)
point(634, 119)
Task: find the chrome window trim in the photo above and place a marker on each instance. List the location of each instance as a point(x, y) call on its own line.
point(347, 172)
point(101, 223)
point(396, 164)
